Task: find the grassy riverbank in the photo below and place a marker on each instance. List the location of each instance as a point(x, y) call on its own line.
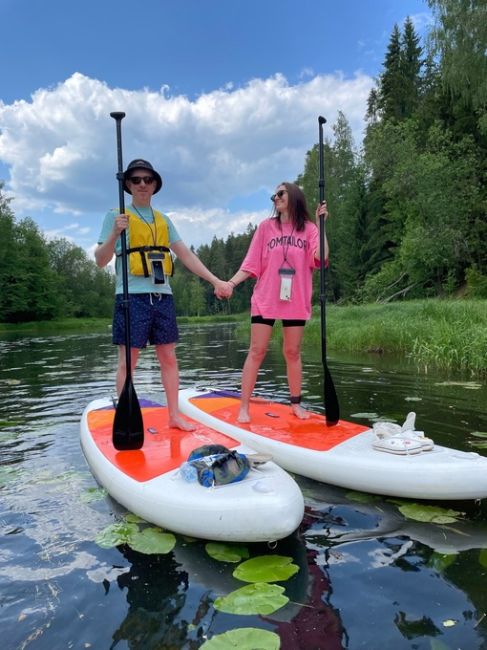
point(447, 334)
point(58, 326)
point(100, 324)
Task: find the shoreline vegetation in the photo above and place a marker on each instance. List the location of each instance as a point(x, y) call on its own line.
point(450, 334)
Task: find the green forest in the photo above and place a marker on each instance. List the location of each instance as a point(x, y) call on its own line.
point(407, 205)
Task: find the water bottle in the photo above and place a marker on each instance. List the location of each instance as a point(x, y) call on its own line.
point(188, 472)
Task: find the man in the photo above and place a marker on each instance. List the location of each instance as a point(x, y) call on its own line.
point(150, 238)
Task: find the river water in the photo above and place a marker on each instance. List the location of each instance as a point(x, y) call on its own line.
point(368, 576)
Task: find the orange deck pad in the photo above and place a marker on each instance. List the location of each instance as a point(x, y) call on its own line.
point(162, 451)
point(277, 421)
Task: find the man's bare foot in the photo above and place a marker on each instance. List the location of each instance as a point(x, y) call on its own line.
point(179, 423)
point(243, 416)
point(299, 412)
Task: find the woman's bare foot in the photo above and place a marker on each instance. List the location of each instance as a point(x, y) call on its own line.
point(299, 411)
point(179, 423)
point(243, 416)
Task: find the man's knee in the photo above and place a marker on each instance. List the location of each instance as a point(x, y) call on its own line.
point(166, 354)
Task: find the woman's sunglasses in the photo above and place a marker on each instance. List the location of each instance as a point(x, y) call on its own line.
point(136, 180)
point(278, 195)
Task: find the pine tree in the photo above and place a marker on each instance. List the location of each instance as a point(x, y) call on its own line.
point(411, 64)
point(390, 93)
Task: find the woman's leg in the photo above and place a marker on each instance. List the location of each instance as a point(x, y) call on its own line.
point(259, 341)
point(292, 338)
point(166, 354)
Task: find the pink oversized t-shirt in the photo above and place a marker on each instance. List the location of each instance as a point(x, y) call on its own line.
point(272, 244)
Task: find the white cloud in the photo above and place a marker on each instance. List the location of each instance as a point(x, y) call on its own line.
point(422, 22)
point(225, 145)
point(198, 226)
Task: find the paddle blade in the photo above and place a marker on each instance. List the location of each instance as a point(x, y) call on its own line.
point(128, 425)
point(332, 408)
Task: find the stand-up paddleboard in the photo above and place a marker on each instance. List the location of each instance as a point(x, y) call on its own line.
point(340, 455)
point(266, 505)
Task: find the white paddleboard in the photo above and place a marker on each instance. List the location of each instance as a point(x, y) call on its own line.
point(266, 505)
point(341, 455)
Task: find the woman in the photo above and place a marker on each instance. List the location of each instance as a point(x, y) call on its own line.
point(282, 255)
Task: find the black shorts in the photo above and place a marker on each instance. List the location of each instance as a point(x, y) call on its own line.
point(258, 320)
point(152, 320)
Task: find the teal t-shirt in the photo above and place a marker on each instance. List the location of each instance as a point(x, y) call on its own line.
point(136, 283)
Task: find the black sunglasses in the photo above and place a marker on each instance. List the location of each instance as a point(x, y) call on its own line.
point(278, 195)
point(136, 180)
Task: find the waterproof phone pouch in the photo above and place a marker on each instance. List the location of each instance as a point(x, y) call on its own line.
point(286, 283)
point(157, 270)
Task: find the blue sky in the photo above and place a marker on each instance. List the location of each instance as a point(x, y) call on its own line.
point(221, 95)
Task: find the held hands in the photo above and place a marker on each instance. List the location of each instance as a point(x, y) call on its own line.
point(321, 209)
point(223, 289)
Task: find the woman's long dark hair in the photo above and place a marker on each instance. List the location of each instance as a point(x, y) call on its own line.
point(296, 205)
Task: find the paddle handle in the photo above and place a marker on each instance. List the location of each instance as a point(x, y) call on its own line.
point(118, 117)
point(321, 185)
point(332, 408)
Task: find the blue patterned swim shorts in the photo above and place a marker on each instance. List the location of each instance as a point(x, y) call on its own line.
point(152, 320)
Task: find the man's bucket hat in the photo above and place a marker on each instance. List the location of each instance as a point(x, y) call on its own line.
point(139, 163)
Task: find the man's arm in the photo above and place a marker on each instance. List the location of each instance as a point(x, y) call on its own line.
point(193, 263)
point(104, 252)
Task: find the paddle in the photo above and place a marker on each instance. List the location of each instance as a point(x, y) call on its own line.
point(128, 426)
point(332, 409)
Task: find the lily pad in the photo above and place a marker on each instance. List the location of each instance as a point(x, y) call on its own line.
point(260, 598)
point(116, 534)
point(266, 568)
point(244, 638)
point(152, 541)
point(436, 644)
point(483, 557)
point(362, 497)
point(9, 423)
point(440, 561)
point(9, 473)
point(478, 444)
point(479, 434)
point(431, 514)
point(470, 385)
point(226, 552)
point(130, 518)
point(93, 494)
point(369, 416)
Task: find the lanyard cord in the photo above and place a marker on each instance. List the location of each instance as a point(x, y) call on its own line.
point(153, 232)
point(285, 248)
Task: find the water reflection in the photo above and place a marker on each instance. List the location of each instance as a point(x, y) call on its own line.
point(156, 590)
point(369, 577)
